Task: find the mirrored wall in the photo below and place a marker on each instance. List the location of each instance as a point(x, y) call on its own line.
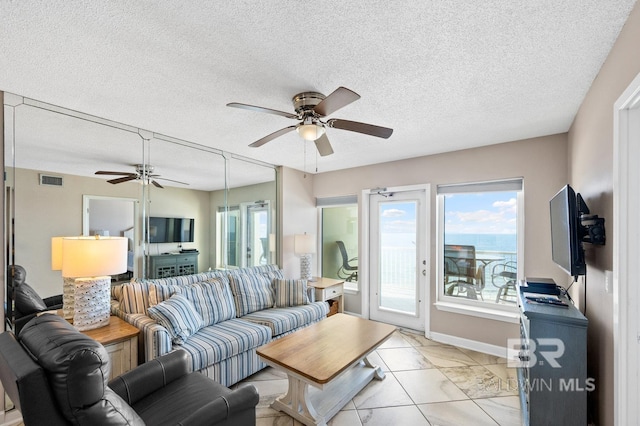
point(227, 205)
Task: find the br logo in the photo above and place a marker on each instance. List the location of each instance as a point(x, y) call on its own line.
point(529, 352)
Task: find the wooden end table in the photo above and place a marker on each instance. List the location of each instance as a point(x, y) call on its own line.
point(331, 357)
point(329, 289)
point(120, 339)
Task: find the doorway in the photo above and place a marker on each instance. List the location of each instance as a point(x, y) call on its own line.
point(257, 233)
point(115, 217)
point(398, 273)
point(626, 200)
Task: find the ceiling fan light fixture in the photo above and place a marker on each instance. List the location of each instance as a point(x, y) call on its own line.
point(310, 132)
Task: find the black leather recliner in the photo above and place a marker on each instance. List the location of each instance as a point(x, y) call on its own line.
point(27, 302)
point(56, 375)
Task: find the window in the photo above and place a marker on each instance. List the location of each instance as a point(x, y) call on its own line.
point(479, 246)
point(339, 239)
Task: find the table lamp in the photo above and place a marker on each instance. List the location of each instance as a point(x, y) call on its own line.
point(68, 283)
point(304, 245)
point(86, 264)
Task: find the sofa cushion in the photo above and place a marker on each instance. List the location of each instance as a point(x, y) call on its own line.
point(134, 297)
point(290, 292)
point(251, 292)
point(182, 280)
point(178, 316)
point(283, 320)
point(275, 274)
point(217, 342)
point(158, 293)
point(212, 299)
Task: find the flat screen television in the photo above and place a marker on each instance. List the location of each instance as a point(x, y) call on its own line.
point(170, 230)
point(566, 232)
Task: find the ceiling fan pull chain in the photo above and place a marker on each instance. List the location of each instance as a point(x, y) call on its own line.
point(304, 160)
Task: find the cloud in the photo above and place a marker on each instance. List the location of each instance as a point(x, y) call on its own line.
point(393, 213)
point(509, 206)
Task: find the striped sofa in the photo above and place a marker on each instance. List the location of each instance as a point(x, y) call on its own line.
point(219, 318)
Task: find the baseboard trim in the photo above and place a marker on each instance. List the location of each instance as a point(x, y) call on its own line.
point(474, 345)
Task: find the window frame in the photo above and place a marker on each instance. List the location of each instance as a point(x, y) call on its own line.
point(494, 311)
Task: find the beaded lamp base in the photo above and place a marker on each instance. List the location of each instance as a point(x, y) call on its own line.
point(68, 292)
point(92, 302)
point(305, 266)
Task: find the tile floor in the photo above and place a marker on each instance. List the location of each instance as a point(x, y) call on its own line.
point(427, 383)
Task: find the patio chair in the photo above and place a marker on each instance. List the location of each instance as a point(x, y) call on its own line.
point(347, 271)
point(504, 276)
point(461, 276)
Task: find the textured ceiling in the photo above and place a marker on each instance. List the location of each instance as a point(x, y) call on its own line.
point(445, 75)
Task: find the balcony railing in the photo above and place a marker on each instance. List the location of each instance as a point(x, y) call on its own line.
point(398, 273)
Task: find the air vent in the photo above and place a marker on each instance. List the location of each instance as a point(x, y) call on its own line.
point(50, 180)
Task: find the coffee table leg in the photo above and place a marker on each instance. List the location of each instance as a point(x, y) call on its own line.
point(378, 374)
point(296, 403)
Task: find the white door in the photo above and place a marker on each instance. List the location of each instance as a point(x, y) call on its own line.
point(397, 257)
point(257, 234)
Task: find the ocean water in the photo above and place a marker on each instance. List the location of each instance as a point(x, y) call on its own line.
point(397, 261)
point(485, 242)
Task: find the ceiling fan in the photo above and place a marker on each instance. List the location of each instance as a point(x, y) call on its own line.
point(142, 173)
point(310, 108)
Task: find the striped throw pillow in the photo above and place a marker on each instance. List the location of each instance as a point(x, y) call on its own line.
point(158, 293)
point(251, 292)
point(135, 298)
point(178, 315)
point(212, 299)
point(290, 293)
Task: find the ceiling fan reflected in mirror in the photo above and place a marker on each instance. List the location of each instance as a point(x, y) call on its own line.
point(143, 174)
point(310, 108)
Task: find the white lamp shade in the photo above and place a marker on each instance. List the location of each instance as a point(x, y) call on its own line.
point(56, 253)
point(89, 256)
point(304, 244)
point(310, 132)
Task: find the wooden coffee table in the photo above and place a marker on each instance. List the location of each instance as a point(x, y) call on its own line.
point(331, 356)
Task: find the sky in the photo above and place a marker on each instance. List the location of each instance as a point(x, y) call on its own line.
point(481, 213)
point(477, 213)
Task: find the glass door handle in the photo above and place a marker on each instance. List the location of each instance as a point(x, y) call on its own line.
point(424, 272)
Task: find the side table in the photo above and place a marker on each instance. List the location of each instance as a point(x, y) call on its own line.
point(329, 289)
point(120, 339)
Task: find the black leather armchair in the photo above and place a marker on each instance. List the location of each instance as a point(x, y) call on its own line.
point(56, 375)
point(27, 302)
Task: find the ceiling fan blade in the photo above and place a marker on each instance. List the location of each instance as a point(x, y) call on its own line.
point(156, 184)
point(340, 97)
point(171, 180)
point(272, 136)
point(262, 109)
point(123, 179)
point(102, 172)
point(323, 145)
point(367, 129)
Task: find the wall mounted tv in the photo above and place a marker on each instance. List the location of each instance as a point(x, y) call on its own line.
point(170, 230)
point(571, 225)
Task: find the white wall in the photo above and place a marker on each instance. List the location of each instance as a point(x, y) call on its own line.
point(298, 215)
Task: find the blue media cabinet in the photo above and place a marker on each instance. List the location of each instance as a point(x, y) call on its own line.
point(552, 376)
